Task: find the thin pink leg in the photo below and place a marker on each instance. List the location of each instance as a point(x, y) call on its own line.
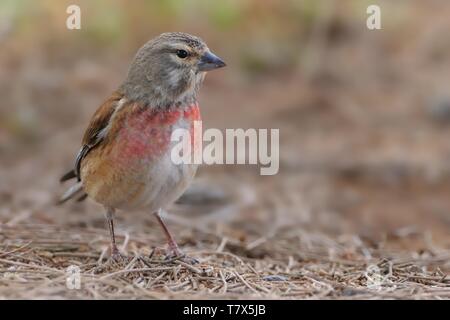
point(110, 219)
point(173, 247)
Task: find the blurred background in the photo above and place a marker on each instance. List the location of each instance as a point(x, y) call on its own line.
point(364, 116)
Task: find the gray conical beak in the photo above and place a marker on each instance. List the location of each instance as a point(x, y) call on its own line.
point(209, 61)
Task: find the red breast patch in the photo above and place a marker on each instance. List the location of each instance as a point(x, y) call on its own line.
point(146, 134)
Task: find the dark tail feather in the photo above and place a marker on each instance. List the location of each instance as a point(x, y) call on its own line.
point(84, 196)
point(72, 192)
point(69, 175)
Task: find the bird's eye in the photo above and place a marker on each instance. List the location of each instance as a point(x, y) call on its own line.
point(182, 54)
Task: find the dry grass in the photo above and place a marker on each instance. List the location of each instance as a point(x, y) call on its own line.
point(34, 260)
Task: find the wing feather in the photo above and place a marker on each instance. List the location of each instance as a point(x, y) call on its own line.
point(95, 132)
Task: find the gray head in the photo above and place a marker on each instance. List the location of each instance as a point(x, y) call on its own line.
point(169, 70)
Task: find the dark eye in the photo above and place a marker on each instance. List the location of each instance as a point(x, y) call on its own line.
point(182, 54)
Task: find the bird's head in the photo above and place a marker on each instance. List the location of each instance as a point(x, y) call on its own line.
point(169, 69)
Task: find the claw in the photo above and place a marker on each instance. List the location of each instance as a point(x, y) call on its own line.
point(179, 255)
point(118, 257)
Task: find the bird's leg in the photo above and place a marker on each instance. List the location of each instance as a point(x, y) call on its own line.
point(174, 251)
point(173, 246)
point(110, 219)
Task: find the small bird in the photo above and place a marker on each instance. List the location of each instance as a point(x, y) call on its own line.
point(125, 159)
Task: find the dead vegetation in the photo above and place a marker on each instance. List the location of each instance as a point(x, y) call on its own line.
point(313, 267)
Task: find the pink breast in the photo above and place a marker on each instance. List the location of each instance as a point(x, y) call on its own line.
point(146, 134)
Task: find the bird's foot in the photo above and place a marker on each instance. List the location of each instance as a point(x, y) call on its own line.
point(188, 259)
point(174, 253)
point(118, 258)
point(115, 261)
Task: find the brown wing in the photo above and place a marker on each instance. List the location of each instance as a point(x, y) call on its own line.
point(93, 134)
point(101, 118)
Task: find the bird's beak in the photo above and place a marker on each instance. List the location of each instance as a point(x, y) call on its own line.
point(210, 61)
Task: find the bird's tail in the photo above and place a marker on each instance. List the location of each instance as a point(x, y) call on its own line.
point(74, 191)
